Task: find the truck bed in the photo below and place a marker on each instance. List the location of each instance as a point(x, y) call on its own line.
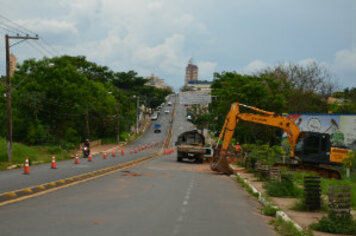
point(191, 149)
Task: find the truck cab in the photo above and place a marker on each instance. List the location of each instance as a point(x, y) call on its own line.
point(190, 145)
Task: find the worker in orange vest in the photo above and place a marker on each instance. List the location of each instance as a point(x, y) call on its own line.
point(237, 147)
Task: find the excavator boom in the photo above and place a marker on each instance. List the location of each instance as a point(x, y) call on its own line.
point(322, 163)
point(265, 117)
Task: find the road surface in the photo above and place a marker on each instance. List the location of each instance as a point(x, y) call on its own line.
point(157, 197)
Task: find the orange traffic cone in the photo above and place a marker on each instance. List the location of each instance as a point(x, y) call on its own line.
point(26, 169)
point(76, 160)
point(122, 152)
point(53, 164)
point(90, 158)
point(113, 154)
point(104, 156)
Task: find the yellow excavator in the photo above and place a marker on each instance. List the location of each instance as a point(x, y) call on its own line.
point(310, 151)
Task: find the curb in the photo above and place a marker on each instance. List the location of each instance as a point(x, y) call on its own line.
point(265, 202)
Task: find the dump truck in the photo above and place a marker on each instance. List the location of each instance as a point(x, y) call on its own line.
point(191, 145)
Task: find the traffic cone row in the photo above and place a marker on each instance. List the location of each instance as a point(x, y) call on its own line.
point(90, 158)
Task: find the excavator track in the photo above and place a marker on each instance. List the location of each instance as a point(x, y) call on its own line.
point(321, 170)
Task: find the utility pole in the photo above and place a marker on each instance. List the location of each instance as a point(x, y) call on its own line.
point(8, 90)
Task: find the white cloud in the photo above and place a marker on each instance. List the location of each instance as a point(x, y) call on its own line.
point(254, 67)
point(206, 70)
point(345, 60)
point(63, 32)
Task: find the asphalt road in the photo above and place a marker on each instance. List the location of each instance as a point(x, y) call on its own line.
point(15, 179)
point(157, 197)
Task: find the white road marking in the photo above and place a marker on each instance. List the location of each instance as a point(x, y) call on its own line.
point(184, 209)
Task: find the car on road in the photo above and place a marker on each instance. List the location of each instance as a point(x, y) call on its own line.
point(157, 128)
point(189, 117)
point(169, 103)
point(166, 111)
point(154, 116)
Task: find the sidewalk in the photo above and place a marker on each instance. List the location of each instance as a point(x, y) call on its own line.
point(304, 219)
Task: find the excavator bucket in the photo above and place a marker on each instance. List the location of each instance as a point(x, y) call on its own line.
point(220, 163)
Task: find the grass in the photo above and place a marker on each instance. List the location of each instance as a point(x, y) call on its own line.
point(336, 224)
point(36, 154)
point(246, 186)
point(269, 210)
point(285, 188)
point(286, 228)
point(325, 183)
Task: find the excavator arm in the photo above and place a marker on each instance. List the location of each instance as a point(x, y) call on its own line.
point(265, 118)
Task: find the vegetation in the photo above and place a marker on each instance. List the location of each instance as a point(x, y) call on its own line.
point(336, 224)
point(63, 100)
point(37, 154)
point(326, 182)
point(286, 228)
point(285, 188)
point(269, 210)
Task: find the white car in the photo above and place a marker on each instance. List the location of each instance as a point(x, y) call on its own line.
point(189, 117)
point(166, 111)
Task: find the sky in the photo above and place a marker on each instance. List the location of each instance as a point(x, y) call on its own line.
point(160, 36)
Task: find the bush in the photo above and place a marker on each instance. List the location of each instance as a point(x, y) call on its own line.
point(336, 224)
point(285, 188)
point(53, 149)
point(269, 210)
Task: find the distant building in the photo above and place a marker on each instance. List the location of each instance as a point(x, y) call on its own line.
point(13, 64)
point(199, 85)
point(155, 81)
point(191, 72)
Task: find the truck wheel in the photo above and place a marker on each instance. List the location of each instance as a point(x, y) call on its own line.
point(179, 158)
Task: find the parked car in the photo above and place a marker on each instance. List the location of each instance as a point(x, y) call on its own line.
point(169, 103)
point(166, 111)
point(189, 117)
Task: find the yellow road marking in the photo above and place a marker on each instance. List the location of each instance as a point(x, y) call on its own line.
point(125, 165)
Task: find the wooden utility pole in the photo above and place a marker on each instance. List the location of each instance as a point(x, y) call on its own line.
point(8, 91)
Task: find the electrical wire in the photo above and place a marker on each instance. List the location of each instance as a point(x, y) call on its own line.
point(18, 25)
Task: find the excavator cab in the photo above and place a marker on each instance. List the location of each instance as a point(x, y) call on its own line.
point(315, 148)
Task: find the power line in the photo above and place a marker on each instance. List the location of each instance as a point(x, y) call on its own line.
point(47, 49)
point(38, 48)
point(8, 30)
point(18, 25)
